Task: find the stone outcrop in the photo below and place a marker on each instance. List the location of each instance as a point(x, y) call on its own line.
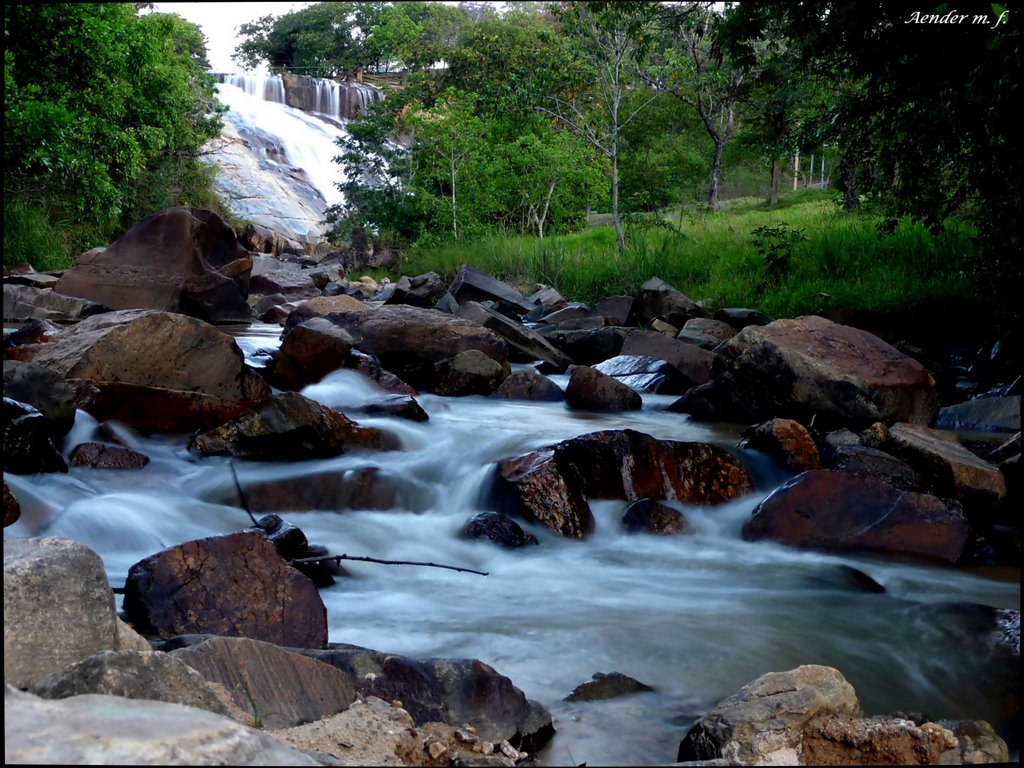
point(589, 389)
point(39, 641)
point(154, 370)
point(183, 260)
point(235, 585)
point(552, 485)
point(811, 367)
point(470, 284)
point(453, 691)
point(279, 688)
point(828, 510)
point(290, 427)
point(150, 675)
point(95, 729)
point(409, 341)
point(811, 716)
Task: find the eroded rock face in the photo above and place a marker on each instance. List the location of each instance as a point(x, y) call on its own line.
point(551, 485)
point(290, 427)
point(811, 366)
point(183, 260)
point(154, 370)
point(70, 580)
point(235, 585)
point(281, 688)
point(823, 509)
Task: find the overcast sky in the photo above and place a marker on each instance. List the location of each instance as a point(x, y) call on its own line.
point(220, 22)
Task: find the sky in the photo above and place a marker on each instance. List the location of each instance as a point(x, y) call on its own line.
point(220, 22)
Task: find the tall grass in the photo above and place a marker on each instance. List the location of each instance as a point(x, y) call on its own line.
point(834, 260)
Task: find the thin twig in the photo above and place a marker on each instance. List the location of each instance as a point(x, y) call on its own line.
point(241, 496)
point(339, 558)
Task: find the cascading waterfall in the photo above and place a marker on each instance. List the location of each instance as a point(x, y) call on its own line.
point(334, 99)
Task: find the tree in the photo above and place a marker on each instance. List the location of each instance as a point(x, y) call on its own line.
point(693, 66)
point(610, 39)
point(105, 113)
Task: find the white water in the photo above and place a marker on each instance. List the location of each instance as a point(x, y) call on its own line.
point(291, 138)
point(696, 616)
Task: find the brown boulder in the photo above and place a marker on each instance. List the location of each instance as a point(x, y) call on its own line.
point(946, 466)
point(525, 345)
point(693, 362)
point(195, 373)
point(650, 516)
point(470, 284)
point(607, 686)
point(360, 488)
point(183, 260)
point(705, 332)
point(309, 351)
point(589, 389)
point(541, 487)
point(101, 456)
point(279, 688)
point(290, 427)
point(811, 367)
point(25, 303)
point(498, 528)
point(235, 585)
point(408, 341)
point(468, 373)
point(788, 442)
point(658, 299)
point(827, 510)
point(529, 385)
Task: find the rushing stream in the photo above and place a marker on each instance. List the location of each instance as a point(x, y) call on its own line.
point(694, 616)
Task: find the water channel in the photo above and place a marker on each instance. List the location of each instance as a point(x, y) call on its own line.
point(695, 616)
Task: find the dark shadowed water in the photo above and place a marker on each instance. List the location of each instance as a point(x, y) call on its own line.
point(695, 616)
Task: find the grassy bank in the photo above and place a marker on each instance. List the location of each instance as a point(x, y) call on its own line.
point(803, 256)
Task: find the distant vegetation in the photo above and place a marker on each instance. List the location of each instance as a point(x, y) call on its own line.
point(509, 132)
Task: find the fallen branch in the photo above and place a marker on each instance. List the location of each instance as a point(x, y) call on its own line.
point(339, 558)
point(241, 496)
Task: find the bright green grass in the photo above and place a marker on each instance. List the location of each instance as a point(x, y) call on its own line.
point(842, 261)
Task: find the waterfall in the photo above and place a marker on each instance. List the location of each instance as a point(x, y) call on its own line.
point(337, 100)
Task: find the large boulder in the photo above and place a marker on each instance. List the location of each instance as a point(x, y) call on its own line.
point(828, 510)
point(58, 607)
point(946, 466)
point(705, 332)
point(810, 367)
point(470, 284)
point(155, 370)
point(529, 385)
point(811, 716)
point(525, 345)
point(645, 374)
point(151, 675)
point(468, 373)
point(786, 441)
point(24, 303)
point(290, 427)
point(986, 414)
point(692, 361)
point(29, 443)
point(183, 260)
point(43, 389)
point(551, 485)
point(409, 341)
point(279, 688)
point(235, 585)
point(309, 351)
point(590, 389)
point(656, 299)
point(270, 275)
point(419, 291)
point(453, 691)
point(95, 729)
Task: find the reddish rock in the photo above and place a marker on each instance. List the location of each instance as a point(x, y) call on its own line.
point(498, 528)
point(373, 370)
point(811, 367)
point(101, 456)
point(290, 427)
point(183, 260)
point(946, 466)
point(309, 351)
point(360, 488)
point(649, 516)
point(542, 488)
point(788, 442)
point(194, 373)
point(827, 510)
point(589, 389)
point(235, 585)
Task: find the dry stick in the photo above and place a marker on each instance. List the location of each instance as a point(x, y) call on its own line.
point(339, 558)
point(241, 496)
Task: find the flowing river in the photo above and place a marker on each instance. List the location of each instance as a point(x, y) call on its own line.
point(696, 616)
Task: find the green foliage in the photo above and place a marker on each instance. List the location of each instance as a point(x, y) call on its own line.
point(99, 103)
point(775, 244)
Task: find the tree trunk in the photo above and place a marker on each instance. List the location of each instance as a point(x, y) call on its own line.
point(619, 234)
point(773, 197)
point(848, 180)
point(716, 173)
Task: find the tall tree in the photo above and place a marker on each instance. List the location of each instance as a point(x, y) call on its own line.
point(610, 38)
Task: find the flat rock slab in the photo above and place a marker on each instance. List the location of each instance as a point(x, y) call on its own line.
point(95, 729)
point(280, 688)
